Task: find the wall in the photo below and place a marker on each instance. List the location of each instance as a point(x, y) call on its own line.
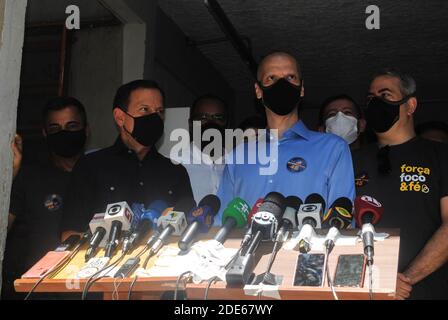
point(12, 22)
point(95, 74)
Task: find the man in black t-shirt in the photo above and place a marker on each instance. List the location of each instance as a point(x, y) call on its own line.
point(132, 169)
point(39, 191)
point(409, 176)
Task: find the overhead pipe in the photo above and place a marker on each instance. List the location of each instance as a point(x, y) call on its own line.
point(232, 34)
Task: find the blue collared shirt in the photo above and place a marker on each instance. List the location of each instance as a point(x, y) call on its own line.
point(307, 162)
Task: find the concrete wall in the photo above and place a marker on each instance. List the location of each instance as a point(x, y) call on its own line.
point(95, 74)
point(182, 70)
point(12, 22)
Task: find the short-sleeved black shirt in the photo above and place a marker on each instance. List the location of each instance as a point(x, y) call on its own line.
point(411, 195)
point(37, 201)
point(115, 174)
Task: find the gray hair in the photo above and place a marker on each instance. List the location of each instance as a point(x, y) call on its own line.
point(408, 86)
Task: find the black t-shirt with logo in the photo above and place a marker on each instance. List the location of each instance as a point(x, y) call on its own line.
point(410, 192)
point(116, 174)
point(37, 200)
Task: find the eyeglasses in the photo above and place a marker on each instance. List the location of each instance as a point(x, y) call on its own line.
point(384, 166)
point(209, 117)
point(71, 126)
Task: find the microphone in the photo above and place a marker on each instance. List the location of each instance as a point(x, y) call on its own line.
point(100, 230)
point(340, 213)
point(235, 215)
point(120, 217)
point(271, 210)
point(147, 220)
point(311, 211)
point(264, 227)
point(254, 210)
point(289, 219)
point(368, 212)
point(200, 219)
point(172, 222)
point(309, 218)
point(339, 216)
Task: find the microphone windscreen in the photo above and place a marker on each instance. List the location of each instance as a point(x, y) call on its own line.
point(316, 198)
point(276, 198)
point(211, 201)
point(341, 211)
point(237, 209)
point(254, 210)
point(292, 205)
point(185, 204)
point(274, 203)
point(154, 211)
point(158, 205)
point(368, 206)
point(293, 202)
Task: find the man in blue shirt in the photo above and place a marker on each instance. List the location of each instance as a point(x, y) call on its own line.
point(302, 162)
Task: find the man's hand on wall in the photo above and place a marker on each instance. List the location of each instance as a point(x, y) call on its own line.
point(16, 146)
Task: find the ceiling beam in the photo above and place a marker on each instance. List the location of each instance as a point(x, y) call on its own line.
point(232, 34)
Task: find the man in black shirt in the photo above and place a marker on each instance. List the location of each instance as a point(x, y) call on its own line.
point(39, 191)
point(132, 169)
point(409, 176)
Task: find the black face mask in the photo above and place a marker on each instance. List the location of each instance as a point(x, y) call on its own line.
point(147, 129)
point(381, 114)
point(282, 97)
point(67, 144)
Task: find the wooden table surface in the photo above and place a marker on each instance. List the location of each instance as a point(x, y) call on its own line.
point(385, 271)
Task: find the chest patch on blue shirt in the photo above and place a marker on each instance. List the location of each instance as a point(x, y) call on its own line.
point(296, 165)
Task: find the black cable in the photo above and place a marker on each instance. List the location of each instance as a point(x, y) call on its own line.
point(178, 283)
point(274, 253)
point(89, 282)
point(131, 287)
point(150, 255)
point(145, 264)
point(57, 269)
point(209, 284)
point(327, 272)
point(370, 282)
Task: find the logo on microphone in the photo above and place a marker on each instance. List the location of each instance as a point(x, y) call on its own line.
point(128, 215)
point(372, 201)
point(309, 208)
point(296, 165)
point(197, 212)
point(115, 209)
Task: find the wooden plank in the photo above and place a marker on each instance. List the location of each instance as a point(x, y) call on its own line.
point(386, 264)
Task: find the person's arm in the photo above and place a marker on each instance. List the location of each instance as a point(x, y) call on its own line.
point(11, 219)
point(16, 147)
point(435, 252)
point(17, 205)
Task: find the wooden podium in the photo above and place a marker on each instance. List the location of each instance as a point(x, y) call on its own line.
point(384, 276)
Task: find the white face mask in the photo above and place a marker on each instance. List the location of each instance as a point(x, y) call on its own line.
point(343, 126)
